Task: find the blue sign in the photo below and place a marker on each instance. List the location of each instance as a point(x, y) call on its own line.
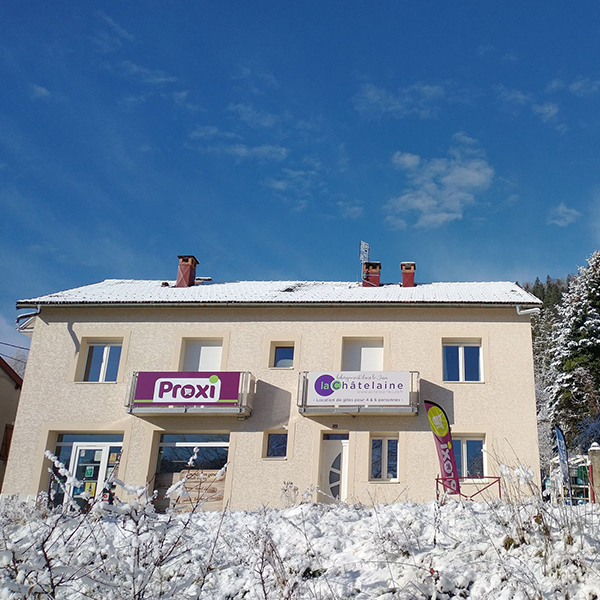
point(563, 457)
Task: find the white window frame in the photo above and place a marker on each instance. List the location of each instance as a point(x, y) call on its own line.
point(208, 342)
point(384, 457)
point(375, 342)
point(273, 354)
point(461, 345)
point(105, 357)
point(462, 440)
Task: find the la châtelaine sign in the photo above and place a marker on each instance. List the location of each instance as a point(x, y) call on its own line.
point(358, 388)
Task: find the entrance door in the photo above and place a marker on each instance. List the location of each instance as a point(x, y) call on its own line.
point(333, 480)
point(91, 464)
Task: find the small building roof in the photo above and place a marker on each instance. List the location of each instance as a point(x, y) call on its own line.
point(136, 292)
point(11, 372)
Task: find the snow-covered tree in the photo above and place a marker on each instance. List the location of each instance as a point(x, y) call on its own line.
point(574, 370)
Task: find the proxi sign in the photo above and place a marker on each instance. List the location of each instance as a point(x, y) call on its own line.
point(358, 388)
point(190, 388)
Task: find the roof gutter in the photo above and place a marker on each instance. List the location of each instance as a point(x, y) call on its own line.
point(527, 311)
point(38, 310)
point(340, 304)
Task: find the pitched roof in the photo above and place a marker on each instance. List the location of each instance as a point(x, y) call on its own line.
point(129, 291)
point(11, 372)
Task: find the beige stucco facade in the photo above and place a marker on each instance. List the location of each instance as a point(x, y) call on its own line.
point(500, 409)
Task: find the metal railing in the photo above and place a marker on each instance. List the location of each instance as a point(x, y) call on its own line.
point(409, 407)
point(242, 408)
point(486, 482)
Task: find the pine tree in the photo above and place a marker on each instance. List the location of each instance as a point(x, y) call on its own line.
point(575, 353)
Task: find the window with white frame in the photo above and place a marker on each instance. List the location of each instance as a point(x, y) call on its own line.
point(282, 355)
point(462, 361)
point(384, 458)
point(362, 354)
point(202, 355)
point(102, 361)
point(468, 452)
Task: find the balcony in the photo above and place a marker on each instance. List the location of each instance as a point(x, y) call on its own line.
point(363, 392)
point(199, 393)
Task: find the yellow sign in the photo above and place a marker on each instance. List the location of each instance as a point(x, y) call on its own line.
point(438, 421)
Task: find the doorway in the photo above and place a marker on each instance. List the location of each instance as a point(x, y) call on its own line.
point(333, 473)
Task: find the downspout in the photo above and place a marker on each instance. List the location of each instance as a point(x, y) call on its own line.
point(527, 311)
point(38, 310)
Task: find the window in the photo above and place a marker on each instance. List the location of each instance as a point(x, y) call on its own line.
point(102, 362)
point(203, 355)
point(283, 357)
point(469, 456)
point(462, 361)
point(205, 451)
point(384, 458)
point(360, 354)
point(8, 431)
point(276, 445)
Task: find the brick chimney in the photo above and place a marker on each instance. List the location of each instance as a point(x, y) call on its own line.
point(408, 273)
point(370, 274)
point(186, 272)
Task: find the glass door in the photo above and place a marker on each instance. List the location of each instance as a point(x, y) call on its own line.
point(92, 464)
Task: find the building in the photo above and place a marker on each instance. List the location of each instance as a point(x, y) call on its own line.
point(10, 390)
point(318, 384)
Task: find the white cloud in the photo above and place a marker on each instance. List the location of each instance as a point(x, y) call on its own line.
point(242, 151)
point(562, 215)
point(205, 132)
point(38, 91)
point(419, 99)
point(145, 75)
point(349, 209)
point(555, 85)
point(513, 96)
point(510, 57)
point(253, 117)
point(297, 187)
point(514, 100)
point(547, 111)
point(440, 189)
point(257, 82)
point(112, 39)
point(485, 49)
point(584, 86)
point(120, 31)
point(406, 160)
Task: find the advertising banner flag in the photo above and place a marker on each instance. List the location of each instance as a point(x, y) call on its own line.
point(440, 427)
point(563, 456)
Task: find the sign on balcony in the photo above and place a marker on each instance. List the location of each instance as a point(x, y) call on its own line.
point(187, 388)
point(358, 388)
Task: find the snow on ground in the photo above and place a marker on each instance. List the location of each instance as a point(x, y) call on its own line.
point(502, 550)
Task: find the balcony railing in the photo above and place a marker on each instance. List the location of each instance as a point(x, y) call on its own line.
point(364, 392)
point(198, 393)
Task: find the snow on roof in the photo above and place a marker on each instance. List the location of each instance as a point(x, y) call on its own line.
point(129, 291)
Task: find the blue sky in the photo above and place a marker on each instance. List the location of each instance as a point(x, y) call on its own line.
point(268, 139)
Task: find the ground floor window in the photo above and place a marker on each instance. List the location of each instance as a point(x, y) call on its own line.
point(468, 453)
point(92, 458)
point(197, 457)
point(276, 445)
point(384, 457)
